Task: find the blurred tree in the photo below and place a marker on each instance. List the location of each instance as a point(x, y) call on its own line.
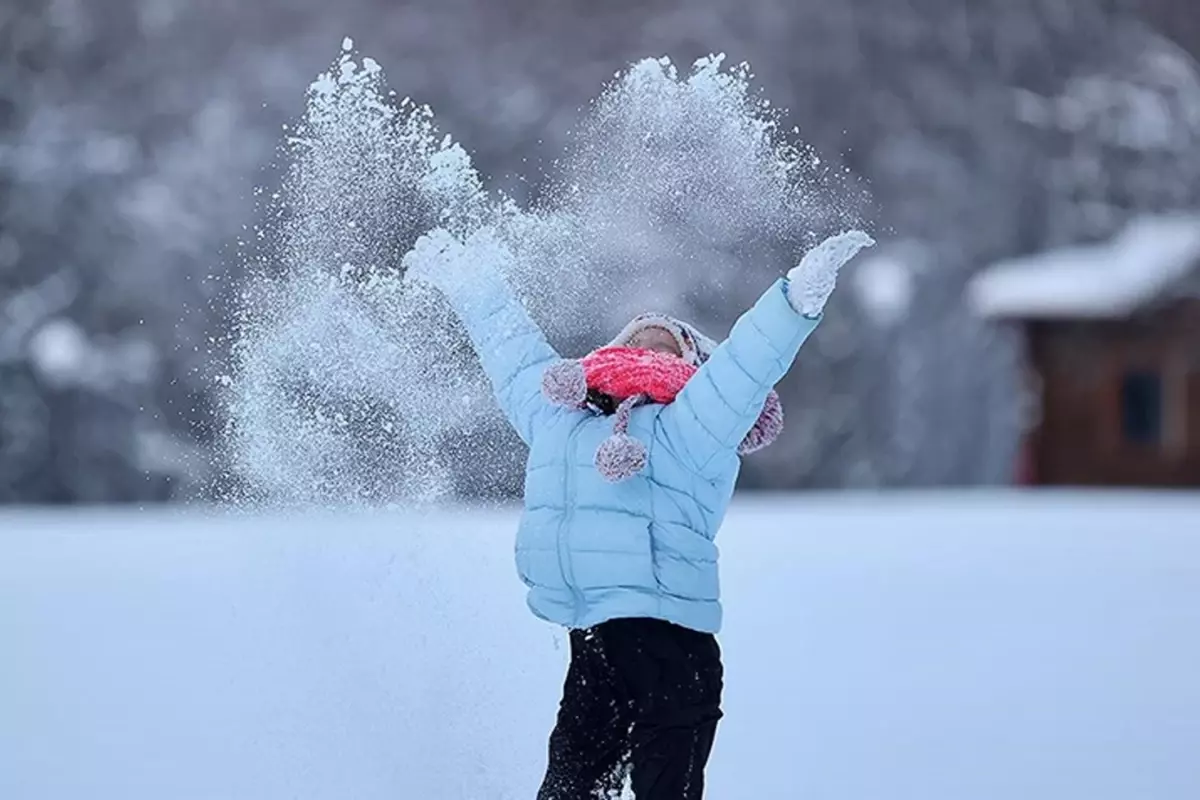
point(131, 131)
point(100, 269)
point(932, 99)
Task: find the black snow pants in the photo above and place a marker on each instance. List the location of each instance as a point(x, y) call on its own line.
point(643, 698)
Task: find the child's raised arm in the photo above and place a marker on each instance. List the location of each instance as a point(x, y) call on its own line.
point(721, 402)
point(509, 344)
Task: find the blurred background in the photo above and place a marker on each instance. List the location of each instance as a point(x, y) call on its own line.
point(1029, 318)
point(1033, 167)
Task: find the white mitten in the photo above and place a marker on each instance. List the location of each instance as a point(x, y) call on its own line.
point(812, 280)
point(437, 258)
point(452, 265)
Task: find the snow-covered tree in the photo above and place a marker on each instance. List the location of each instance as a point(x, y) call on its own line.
point(116, 182)
point(131, 133)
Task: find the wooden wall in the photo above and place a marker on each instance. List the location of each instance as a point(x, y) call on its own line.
point(1081, 438)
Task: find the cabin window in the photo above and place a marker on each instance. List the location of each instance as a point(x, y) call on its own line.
point(1142, 412)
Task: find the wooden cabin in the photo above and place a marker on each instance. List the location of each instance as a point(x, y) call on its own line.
point(1112, 345)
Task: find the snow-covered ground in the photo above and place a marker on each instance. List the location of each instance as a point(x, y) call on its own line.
point(935, 647)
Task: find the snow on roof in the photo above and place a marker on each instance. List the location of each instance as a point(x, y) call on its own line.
point(1105, 280)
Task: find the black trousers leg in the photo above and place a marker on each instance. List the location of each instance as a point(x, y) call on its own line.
point(589, 743)
point(677, 713)
point(640, 693)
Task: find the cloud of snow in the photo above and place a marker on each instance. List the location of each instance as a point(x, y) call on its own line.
point(349, 386)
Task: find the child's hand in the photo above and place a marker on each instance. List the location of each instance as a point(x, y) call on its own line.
point(442, 260)
point(811, 281)
point(434, 258)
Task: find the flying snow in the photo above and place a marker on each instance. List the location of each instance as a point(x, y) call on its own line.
point(351, 387)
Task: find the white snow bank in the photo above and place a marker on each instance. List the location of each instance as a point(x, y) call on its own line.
point(977, 646)
point(1105, 280)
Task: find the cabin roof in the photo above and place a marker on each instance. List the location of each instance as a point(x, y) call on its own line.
point(1107, 280)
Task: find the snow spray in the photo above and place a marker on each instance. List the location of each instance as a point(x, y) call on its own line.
point(349, 387)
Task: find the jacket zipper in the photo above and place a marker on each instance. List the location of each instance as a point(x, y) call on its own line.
point(564, 559)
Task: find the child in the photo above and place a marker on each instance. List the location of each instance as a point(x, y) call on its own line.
point(633, 456)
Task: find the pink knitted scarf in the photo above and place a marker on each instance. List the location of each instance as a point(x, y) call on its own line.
point(624, 372)
point(626, 377)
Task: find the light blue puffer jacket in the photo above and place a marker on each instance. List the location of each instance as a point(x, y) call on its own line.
point(590, 550)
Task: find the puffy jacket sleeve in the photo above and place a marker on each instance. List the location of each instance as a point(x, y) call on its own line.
point(512, 349)
point(721, 402)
